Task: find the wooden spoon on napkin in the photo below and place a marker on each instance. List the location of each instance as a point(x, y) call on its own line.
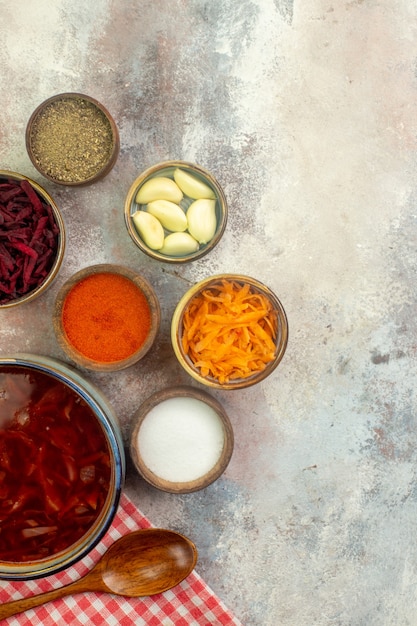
point(142, 563)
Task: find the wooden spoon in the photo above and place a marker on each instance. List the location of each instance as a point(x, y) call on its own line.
point(142, 563)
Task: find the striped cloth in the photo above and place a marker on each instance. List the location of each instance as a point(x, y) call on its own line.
point(191, 603)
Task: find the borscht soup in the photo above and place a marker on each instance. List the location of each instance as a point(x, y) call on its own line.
point(55, 467)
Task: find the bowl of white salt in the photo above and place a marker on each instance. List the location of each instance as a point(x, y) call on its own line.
point(181, 440)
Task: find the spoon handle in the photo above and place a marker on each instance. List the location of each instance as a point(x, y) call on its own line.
point(90, 582)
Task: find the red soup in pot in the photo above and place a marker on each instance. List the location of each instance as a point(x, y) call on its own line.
point(54, 465)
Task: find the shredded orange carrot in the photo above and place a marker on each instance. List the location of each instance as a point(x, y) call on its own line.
point(229, 331)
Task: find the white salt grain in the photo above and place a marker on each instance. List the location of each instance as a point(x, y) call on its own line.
point(181, 439)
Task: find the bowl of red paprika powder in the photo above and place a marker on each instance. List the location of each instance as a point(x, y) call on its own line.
point(106, 317)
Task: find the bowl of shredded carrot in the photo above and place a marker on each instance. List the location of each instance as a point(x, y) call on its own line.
point(32, 239)
point(106, 317)
point(229, 331)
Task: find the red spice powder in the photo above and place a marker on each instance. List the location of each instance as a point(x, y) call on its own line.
point(106, 317)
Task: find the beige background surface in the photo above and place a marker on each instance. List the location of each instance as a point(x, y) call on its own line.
point(306, 114)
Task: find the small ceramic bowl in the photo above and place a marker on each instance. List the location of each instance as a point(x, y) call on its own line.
point(182, 440)
point(45, 269)
point(276, 319)
point(72, 139)
point(35, 462)
point(168, 169)
point(106, 318)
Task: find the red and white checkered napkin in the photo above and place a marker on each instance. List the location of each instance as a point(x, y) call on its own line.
point(191, 603)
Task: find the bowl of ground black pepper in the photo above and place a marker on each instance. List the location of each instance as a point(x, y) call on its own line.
point(106, 317)
point(72, 139)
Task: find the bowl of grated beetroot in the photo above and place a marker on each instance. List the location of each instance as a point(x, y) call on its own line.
point(32, 239)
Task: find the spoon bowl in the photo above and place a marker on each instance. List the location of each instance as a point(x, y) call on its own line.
point(141, 563)
point(147, 562)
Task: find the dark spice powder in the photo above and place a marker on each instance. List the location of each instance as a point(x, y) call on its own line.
point(71, 140)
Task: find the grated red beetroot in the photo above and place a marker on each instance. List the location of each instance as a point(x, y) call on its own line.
point(28, 239)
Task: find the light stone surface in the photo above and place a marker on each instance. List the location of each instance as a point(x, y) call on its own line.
point(306, 114)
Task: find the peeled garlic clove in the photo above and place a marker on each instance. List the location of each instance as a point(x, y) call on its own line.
point(192, 186)
point(171, 216)
point(179, 244)
point(159, 188)
point(201, 217)
point(149, 228)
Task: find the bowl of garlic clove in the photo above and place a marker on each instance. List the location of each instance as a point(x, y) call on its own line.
point(176, 212)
